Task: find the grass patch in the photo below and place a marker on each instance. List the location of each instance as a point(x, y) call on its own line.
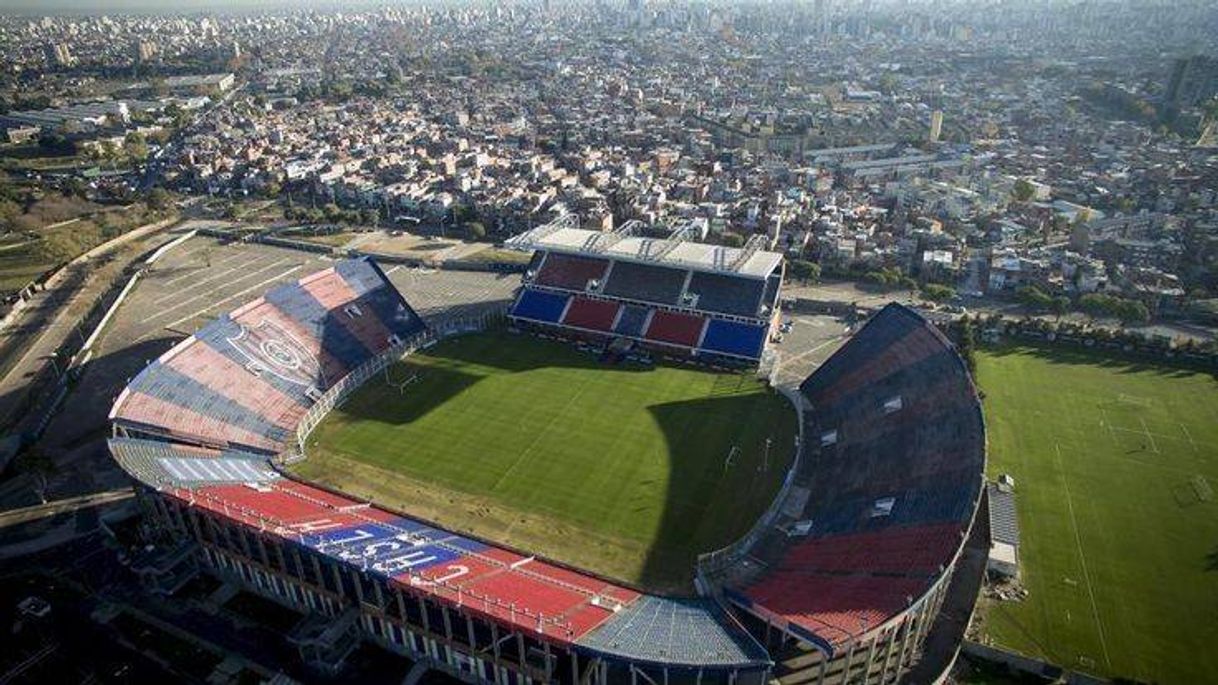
point(616, 469)
point(1115, 463)
point(55, 230)
point(497, 256)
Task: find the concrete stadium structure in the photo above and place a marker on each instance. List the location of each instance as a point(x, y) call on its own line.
point(840, 583)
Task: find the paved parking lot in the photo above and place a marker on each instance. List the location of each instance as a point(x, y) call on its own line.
point(808, 343)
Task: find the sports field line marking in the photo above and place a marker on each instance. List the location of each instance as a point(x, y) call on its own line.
point(1107, 423)
point(1188, 435)
point(233, 296)
point(214, 264)
point(819, 347)
point(1078, 543)
point(1146, 430)
point(208, 293)
point(206, 279)
point(538, 437)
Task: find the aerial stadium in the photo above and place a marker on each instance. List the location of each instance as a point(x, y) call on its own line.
point(596, 485)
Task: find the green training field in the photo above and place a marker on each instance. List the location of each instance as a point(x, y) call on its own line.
point(1115, 465)
point(622, 470)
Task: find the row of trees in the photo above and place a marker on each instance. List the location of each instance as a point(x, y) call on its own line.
point(1076, 331)
point(1094, 305)
point(332, 213)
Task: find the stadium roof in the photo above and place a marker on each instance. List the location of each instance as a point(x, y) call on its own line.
point(685, 254)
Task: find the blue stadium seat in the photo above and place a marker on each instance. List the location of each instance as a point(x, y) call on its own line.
point(537, 305)
point(730, 337)
point(631, 321)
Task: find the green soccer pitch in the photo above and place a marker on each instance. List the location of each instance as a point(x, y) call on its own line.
point(623, 470)
point(1115, 465)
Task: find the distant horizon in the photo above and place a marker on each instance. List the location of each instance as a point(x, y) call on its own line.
point(185, 7)
point(100, 7)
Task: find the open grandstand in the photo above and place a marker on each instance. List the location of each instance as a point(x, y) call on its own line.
point(840, 585)
point(670, 296)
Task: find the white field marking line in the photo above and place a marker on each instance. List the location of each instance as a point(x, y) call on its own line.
point(202, 281)
point(235, 295)
point(1188, 435)
point(1150, 437)
point(216, 263)
point(819, 347)
point(1078, 542)
point(206, 294)
point(1162, 436)
point(1108, 424)
point(541, 433)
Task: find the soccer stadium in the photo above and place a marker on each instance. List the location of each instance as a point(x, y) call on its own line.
point(594, 484)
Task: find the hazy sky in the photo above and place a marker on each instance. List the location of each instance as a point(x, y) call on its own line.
point(174, 6)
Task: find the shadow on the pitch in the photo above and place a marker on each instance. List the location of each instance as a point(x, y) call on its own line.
point(721, 475)
point(1211, 561)
point(1113, 359)
point(409, 390)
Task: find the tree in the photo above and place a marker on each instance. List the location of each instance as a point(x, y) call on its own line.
point(1034, 298)
point(158, 199)
point(808, 272)
point(136, 146)
point(1132, 312)
point(733, 240)
point(1059, 306)
point(39, 467)
point(74, 187)
point(475, 231)
point(1023, 190)
point(109, 152)
point(887, 83)
point(937, 292)
point(56, 143)
point(968, 343)
point(1095, 305)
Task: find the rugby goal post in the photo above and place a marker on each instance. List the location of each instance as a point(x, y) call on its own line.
point(409, 377)
point(730, 460)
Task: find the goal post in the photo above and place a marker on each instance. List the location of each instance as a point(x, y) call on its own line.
point(408, 377)
point(730, 460)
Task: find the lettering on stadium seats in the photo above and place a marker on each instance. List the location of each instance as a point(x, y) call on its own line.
point(315, 526)
point(456, 571)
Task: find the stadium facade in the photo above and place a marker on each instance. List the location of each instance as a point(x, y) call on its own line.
point(838, 583)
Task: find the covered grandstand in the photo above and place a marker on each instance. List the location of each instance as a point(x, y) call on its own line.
point(671, 296)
